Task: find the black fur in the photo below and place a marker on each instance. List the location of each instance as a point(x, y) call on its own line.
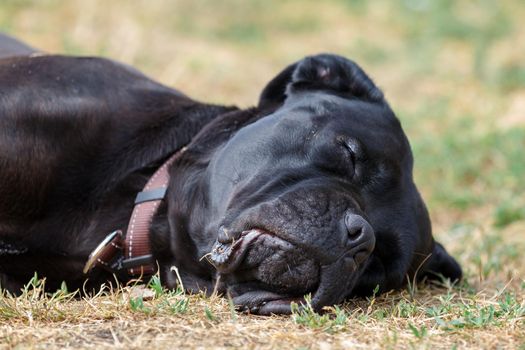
point(79, 137)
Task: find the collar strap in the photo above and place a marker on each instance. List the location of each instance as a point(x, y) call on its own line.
point(131, 252)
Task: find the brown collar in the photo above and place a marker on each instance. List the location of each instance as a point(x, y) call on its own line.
point(131, 253)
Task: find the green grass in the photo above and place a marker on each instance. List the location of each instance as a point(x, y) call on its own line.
point(474, 168)
point(455, 309)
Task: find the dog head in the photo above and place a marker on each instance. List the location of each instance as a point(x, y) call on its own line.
point(313, 195)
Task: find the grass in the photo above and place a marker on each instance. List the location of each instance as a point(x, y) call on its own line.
point(454, 73)
point(139, 315)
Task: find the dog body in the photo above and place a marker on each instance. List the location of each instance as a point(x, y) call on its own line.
point(309, 192)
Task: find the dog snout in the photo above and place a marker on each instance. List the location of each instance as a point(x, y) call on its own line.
point(360, 237)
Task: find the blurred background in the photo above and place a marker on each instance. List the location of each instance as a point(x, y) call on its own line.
point(454, 72)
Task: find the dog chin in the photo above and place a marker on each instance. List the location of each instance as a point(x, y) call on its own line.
point(330, 286)
point(264, 274)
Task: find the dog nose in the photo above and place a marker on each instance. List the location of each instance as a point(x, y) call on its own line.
point(361, 238)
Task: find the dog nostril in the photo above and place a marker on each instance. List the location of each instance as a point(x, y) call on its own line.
point(360, 238)
point(355, 225)
point(354, 232)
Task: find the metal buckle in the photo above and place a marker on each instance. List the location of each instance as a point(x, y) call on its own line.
point(95, 254)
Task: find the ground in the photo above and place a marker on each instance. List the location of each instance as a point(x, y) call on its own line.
point(454, 72)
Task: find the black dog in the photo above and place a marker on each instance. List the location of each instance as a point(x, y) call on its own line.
point(309, 192)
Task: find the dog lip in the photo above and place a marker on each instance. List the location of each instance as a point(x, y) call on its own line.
point(227, 257)
point(264, 302)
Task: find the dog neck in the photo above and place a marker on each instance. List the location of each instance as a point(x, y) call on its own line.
point(131, 253)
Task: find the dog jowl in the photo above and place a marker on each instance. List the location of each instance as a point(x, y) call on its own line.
point(311, 191)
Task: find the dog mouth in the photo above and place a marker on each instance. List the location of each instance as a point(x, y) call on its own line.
point(226, 257)
point(264, 274)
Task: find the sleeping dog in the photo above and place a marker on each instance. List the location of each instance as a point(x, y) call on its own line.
point(105, 173)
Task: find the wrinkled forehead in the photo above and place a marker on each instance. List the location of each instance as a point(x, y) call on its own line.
point(317, 119)
point(324, 116)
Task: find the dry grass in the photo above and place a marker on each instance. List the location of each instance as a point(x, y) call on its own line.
point(428, 317)
point(453, 71)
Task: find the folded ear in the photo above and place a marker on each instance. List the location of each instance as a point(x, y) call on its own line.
point(326, 72)
point(275, 91)
point(441, 264)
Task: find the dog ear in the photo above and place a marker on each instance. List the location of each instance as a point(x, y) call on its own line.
point(325, 72)
point(441, 264)
point(274, 93)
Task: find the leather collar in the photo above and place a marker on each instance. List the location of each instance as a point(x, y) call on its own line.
point(130, 254)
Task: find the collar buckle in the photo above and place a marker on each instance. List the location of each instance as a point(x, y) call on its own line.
point(108, 255)
point(106, 251)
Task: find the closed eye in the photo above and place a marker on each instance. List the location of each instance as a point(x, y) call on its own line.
point(351, 149)
point(340, 160)
point(350, 146)
point(338, 157)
